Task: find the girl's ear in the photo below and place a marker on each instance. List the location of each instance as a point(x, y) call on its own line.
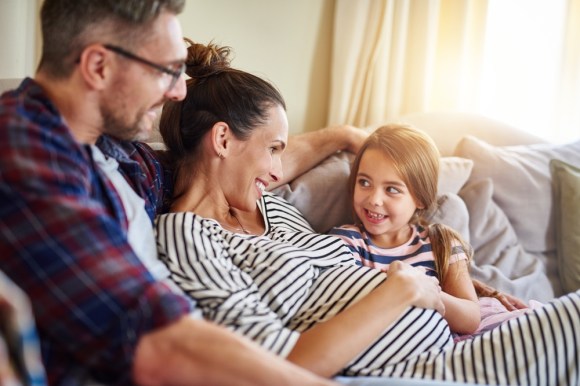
point(221, 139)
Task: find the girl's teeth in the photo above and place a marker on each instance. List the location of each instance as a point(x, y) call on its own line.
point(376, 216)
point(261, 186)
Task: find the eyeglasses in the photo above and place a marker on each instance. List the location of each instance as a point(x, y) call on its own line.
point(175, 74)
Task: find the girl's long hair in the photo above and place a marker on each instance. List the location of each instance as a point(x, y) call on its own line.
point(416, 160)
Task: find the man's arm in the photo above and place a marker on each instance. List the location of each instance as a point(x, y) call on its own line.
point(196, 352)
point(306, 150)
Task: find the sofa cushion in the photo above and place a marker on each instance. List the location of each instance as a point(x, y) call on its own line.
point(566, 189)
point(499, 259)
point(522, 184)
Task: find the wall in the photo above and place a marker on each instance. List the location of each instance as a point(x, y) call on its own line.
point(18, 38)
point(287, 42)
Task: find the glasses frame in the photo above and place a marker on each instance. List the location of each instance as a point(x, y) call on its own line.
point(175, 74)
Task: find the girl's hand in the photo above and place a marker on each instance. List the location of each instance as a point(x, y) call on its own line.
point(511, 303)
point(425, 290)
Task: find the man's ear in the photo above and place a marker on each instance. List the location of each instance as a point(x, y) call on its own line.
point(94, 66)
point(221, 139)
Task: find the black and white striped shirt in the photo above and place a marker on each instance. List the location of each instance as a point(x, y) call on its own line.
point(272, 287)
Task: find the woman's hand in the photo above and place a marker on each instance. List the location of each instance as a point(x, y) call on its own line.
point(511, 303)
point(424, 291)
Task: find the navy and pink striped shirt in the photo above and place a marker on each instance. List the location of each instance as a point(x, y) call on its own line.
point(417, 251)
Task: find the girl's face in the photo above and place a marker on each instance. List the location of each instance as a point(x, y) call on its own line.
point(257, 161)
point(382, 201)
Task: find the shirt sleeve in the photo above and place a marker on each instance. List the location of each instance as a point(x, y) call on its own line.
point(61, 242)
point(457, 253)
point(354, 241)
point(200, 262)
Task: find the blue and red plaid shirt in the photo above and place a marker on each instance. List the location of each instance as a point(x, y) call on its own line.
point(63, 241)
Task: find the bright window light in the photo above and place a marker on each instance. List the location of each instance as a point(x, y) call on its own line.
point(522, 65)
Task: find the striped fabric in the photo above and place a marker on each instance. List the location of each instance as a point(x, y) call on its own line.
point(272, 287)
point(417, 251)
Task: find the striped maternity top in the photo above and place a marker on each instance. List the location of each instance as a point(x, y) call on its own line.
point(272, 287)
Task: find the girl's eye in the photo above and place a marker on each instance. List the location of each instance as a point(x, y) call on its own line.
point(363, 182)
point(392, 190)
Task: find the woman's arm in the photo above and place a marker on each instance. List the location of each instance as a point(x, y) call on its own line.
point(460, 299)
point(327, 347)
point(306, 150)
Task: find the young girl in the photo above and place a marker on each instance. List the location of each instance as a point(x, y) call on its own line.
point(393, 186)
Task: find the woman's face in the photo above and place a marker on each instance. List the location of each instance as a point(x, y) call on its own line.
point(382, 201)
point(256, 162)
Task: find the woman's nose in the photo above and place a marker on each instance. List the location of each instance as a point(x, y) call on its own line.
point(276, 173)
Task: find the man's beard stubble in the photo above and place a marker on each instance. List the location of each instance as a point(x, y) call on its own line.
point(118, 128)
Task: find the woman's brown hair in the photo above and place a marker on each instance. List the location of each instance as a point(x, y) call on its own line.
point(216, 93)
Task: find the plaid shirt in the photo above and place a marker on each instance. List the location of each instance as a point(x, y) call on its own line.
point(63, 241)
point(20, 362)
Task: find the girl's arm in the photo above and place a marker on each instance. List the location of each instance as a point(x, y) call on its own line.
point(460, 299)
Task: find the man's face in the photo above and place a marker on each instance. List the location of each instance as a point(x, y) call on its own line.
point(131, 107)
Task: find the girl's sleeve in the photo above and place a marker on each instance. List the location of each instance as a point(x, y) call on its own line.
point(197, 257)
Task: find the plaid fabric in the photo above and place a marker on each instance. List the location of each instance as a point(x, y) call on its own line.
point(63, 241)
point(20, 362)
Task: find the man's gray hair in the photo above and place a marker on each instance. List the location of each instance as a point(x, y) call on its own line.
point(68, 26)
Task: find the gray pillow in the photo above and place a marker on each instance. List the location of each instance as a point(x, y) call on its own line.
point(522, 184)
point(321, 194)
point(499, 258)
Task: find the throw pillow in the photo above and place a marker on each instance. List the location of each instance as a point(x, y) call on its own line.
point(522, 184)
point(321, 194)
point(499, 259)
point(453, 174)
point(566, 188)
point(451, 211)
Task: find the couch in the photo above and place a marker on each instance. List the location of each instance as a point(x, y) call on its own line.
point(513, 196)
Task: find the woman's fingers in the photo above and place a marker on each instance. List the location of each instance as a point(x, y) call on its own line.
point(427, 288)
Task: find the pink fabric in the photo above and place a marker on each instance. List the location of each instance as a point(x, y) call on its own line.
point(493, 313)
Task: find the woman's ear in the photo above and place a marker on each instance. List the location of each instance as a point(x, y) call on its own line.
point(221, 141)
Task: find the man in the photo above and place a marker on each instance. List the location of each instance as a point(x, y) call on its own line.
point(77, 199)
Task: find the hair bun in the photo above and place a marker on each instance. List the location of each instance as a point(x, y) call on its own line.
point(203, 61)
